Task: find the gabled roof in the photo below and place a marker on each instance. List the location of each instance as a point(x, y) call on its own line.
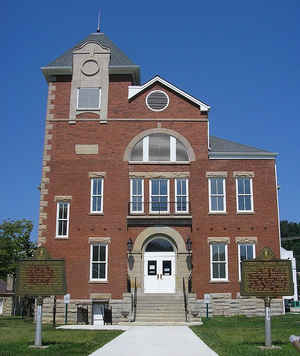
point(119, 62)
point(135, 90)
point(220, 148)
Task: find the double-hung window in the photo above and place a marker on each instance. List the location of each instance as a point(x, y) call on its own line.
point(98, 262)
point(159, 196)
point(244, 194)
point(62, 219)
point(246, 252)
point(181, 195)
point(136, 195)
point(96, 195)
point(218, 262)
point(217, 198)
point(88, 98)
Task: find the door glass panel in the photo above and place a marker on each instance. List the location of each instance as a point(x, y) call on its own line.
point(167, 268)
point(152, 268)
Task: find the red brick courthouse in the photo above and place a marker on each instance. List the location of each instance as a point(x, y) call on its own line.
point(136, 195)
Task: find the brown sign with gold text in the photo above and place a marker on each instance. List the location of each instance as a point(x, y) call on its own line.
point(267, 277)
point(41, 275)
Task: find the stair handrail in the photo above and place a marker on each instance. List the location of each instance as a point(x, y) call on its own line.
point(185, 300)
point(133, 302)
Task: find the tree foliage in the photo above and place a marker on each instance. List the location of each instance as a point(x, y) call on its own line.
point(15, 244)
point(289, 228)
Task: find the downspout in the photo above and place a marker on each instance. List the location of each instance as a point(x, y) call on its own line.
point(278, 216)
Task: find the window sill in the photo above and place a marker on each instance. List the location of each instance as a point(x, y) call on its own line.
point(96, 214)
point(61, 237)
point(220, 281)
point(159, 216)
point(245, 212)
point(97, 282)
point(160, 162)
point(217, 213)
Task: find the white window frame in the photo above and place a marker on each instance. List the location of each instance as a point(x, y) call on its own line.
point(1, 305)
point(96, 195)
point(58, 219)
point(210, 195)
point(99, 106)
point(226, 262)
point(136, 195)
point(239, 256)
point(182, 195)
point(168, 197)
point(242, 194)
point(106, 262)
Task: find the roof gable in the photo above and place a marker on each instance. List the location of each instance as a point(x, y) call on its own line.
point(133, 91)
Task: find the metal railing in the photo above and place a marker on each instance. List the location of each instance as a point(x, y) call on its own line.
point(159, 208)
point(185, 300)
point(133, 302)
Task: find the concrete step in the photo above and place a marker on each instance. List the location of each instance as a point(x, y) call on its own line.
point(152, 319)
point(163, 323)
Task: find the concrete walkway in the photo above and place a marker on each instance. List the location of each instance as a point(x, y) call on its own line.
point(156, 340)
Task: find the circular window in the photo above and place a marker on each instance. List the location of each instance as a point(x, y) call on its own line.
point(90, 67)
point(157, 100)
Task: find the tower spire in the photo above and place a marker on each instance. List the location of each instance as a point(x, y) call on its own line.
point(98, 26)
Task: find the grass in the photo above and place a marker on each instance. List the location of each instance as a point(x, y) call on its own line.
point(16, 335)
point(236, 336)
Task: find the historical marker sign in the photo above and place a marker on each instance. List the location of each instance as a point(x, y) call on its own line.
point(267, 276)
point(41, 275)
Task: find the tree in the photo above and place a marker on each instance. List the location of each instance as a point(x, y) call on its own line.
point(15, 244)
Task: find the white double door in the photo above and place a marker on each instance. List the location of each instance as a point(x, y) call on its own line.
point(159, 272)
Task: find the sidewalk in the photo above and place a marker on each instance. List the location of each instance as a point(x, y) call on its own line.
point(156, 340)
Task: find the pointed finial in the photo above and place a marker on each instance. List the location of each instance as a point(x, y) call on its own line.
point(98, 27)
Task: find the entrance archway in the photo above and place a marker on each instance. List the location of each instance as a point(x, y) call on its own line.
point(143, 240)
point(159, 265)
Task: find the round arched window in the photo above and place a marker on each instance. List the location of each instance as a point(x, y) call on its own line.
point(159, 147)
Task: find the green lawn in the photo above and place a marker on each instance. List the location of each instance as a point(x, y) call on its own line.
point(240, 336)
point(17, 334)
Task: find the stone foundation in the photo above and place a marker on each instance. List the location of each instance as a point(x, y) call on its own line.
point(222, 304)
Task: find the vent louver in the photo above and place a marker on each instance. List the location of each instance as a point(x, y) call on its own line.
point(157, 100)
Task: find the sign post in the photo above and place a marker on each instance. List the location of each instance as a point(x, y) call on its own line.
point(267, 277)
point(40, 276)
point(206, 301)
point(66, 301)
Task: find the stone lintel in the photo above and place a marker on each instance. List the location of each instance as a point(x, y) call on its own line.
point(225, 240)
point(159, 174)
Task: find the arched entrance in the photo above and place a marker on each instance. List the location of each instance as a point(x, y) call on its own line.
point(145, 244)
point(159, 265)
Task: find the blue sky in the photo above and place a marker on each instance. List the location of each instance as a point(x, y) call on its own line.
point(242, 58)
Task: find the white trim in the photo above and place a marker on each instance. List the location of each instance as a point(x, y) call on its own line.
point(86, 109)
point(173, 142)
point(217, 194)
point(239, 254)
point(242, 155)
point(135, 90)
point(182, 195)
point(67, 219)
point(168, 197)
point(237, 195)
point(131, 196)
point(155, 91)
point(226, 263)
point(145, 149)
point(96, 195)
point(106, 262)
